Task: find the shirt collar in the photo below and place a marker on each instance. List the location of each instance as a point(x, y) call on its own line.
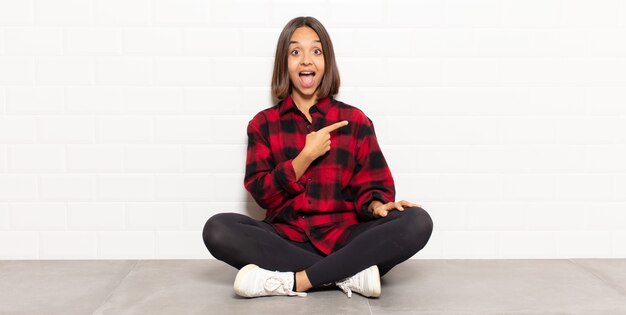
point(322, 105)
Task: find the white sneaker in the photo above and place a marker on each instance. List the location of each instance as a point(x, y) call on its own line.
point(366, 283)
point(254, 281)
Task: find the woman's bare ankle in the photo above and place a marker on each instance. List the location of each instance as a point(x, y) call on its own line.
point(302, 282)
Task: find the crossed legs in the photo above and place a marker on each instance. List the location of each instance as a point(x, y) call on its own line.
point(239, 240)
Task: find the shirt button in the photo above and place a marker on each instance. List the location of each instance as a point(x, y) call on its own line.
point(308, 126)
point(309, 178)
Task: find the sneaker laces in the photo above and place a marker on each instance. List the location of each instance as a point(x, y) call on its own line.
point(344, 285)
point(275, 283)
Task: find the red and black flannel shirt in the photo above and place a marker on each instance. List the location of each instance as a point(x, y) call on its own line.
point(337, 188)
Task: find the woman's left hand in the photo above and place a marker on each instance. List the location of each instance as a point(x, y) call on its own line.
point(381, 210)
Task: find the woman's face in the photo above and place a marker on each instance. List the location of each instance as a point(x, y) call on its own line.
point(305, 62)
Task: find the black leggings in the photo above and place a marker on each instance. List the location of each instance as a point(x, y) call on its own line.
point(239, 240)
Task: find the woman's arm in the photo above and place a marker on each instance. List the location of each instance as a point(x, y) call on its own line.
point(301, 163)
point(270, 184)
point(372, 182)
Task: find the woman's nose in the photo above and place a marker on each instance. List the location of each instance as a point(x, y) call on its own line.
point(306, 60)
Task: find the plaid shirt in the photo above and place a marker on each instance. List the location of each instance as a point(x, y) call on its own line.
point(337, 188)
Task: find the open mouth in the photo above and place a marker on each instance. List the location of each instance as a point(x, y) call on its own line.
point(307, 78)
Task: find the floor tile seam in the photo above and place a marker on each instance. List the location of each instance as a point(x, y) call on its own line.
point(602, 278)
point(490, 310)
point(117, 286)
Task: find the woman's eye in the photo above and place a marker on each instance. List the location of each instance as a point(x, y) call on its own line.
point(295, 52)
point(317, 51)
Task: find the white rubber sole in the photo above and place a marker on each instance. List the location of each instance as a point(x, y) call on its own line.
point(241, 275)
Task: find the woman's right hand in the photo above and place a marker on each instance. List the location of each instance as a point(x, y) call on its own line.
point(380, 210)
point(318, 142)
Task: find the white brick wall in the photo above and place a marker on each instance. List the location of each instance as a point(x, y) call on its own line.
point(122, 122)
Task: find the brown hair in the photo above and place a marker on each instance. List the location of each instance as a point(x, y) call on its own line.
point(281, 85)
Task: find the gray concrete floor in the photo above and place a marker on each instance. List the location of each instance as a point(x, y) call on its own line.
point(585, 286)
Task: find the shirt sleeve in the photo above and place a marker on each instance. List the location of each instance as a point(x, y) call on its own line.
point(269, 184)
point(372, 178)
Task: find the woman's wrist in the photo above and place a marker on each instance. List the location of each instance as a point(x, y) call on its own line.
point(301, 162)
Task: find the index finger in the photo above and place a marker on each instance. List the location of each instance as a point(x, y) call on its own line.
point(335, 126)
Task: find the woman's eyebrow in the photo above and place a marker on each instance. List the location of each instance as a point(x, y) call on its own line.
point(297, 42)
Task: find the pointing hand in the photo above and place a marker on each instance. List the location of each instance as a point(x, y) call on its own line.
point(318, 142)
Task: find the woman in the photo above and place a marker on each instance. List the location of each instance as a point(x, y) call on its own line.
point(315, 165)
